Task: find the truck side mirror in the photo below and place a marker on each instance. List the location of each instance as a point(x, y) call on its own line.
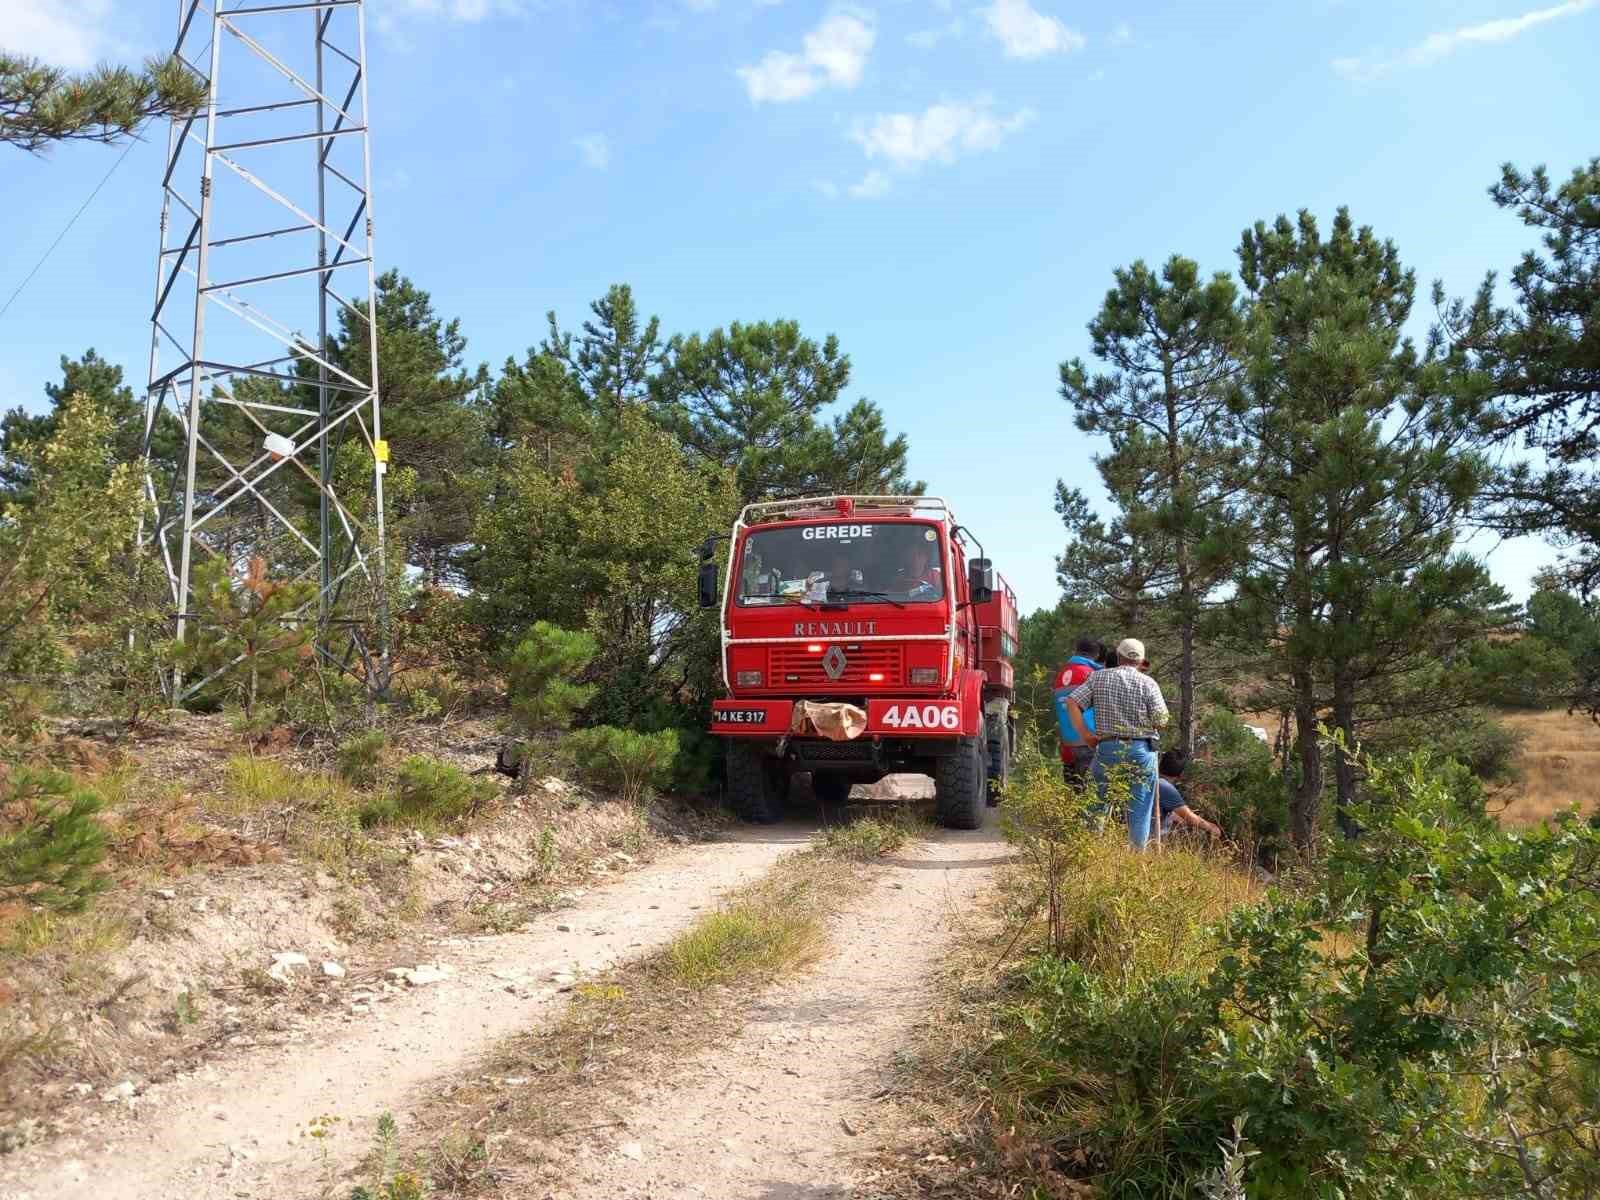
point(708, 583)
point(980, 581)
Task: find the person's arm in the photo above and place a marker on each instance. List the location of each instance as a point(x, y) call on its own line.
point(1159, 716)
point(1080, 699)
point(1075, 717)
point(1195, 821)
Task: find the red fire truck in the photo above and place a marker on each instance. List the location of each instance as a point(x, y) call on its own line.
point(862, 636)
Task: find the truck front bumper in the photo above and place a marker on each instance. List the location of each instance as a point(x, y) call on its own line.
point(886, 717)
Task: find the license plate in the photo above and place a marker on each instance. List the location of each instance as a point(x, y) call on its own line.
point(740, 716)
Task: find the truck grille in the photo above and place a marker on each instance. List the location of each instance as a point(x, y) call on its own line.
point(796, 665)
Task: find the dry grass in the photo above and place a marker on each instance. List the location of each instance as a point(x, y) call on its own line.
point(1559, 766)
point(959, 1125)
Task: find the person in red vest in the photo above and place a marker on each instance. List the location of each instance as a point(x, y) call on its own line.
point(1076, 755)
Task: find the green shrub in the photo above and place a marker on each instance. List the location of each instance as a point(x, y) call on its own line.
point(427, 792)
point(625, 761)
point(1237, 778)
point(361, 757)
point(1419, 1023)
point(867, 838)
point(50, 841)
point(541, 674)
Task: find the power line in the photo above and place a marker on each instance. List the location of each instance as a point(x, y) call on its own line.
point(4, 308)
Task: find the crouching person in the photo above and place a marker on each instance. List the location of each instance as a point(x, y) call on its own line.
point(1175, 811)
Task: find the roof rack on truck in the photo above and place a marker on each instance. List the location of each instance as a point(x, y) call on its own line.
point(806, 506)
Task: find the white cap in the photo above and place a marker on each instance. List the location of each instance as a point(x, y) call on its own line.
point(1130, 650)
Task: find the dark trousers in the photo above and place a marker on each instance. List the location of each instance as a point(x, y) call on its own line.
point(1076, 769)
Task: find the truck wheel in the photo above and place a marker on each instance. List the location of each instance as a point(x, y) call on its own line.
point(831, 788)
point(958, 782)
point(999, 764)
point(756, 784)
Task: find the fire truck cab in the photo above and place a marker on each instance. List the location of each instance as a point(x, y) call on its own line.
point(861, 636)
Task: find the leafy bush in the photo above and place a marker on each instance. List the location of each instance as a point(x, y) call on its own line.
point(1045, 818)
point(628, 762)
point(427, 792)
point(360, 758)
point(50, 841)
point(1420, 1023)
point(1236, 777)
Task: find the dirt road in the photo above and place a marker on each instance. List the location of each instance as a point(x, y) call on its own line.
point(777, 1113)
point(237, 1128)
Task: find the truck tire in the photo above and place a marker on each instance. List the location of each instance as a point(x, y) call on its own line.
point(959, 785)
point(831, 788)
point(756, 784)
point(999, 761)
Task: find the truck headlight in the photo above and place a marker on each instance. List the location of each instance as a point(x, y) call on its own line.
point(748, 678)
point(924, 674)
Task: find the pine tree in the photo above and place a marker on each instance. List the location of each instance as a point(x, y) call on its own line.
point(1171, 342)
point(50, 841)
point(1541, 358)
point(1361, 463)
point(432, 417)
point(617, 356)
point(254, 632)
point(42, 105)
point(748, 398)
point(541, 678)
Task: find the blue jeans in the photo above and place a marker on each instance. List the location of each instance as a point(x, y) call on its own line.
point(1141, 759)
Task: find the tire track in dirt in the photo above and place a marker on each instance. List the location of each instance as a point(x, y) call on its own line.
point(779, 1111)
point(234, 1128)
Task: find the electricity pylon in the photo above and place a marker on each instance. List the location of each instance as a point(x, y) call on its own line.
point(264, 438)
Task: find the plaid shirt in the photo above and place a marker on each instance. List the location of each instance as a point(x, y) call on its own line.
point(1126, 703)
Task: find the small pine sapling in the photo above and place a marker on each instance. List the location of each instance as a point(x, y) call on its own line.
point(542, 676)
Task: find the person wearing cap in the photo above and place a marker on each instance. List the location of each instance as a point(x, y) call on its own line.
point(1129, 712)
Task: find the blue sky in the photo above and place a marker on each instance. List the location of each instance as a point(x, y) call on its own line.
point(945, 185)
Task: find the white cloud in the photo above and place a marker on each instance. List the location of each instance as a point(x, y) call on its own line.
point(1025, 32)
point(840, 46)
point(63, 33)
point(827, 187)
point(1121, 35)
point(779, 78)
point(1441, 45)
point(833, 54)
point(595, 150)
point(871, 185)
point(927, 39)
point(940, 133)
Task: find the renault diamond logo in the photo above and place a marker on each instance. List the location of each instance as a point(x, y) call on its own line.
point(833, 662)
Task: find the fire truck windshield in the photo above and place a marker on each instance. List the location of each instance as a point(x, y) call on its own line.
point(840, 562)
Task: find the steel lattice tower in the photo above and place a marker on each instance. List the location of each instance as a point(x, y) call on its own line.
point(264, 437)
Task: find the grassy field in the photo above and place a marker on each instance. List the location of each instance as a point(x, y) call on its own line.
point(1559, 764)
